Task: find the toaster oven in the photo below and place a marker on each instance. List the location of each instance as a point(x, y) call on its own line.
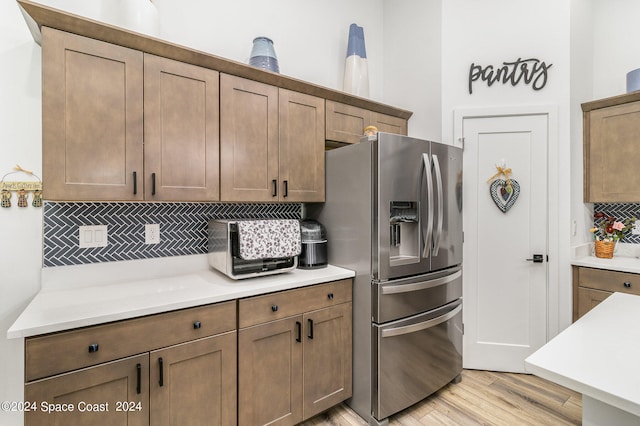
point(251, 248)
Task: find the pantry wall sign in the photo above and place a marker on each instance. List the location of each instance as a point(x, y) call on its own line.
point(529, 71)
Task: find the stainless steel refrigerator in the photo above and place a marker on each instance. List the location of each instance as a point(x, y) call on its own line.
point(393, 214)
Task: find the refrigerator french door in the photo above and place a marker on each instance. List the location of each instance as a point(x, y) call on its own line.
point(393, 214)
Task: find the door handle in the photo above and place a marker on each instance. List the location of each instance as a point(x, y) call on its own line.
point(426, 163)
point(438, 233)
point(537, 258)
point(161, 368)
point(398, 331)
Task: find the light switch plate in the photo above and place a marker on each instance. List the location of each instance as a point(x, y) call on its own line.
point(636, 229)
point(151, 233)
point(93, 236)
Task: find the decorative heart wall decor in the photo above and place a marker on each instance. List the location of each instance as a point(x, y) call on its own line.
point(503, 195)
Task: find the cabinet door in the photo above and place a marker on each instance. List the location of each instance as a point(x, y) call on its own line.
point(327, 358)
point(248, 140)
point(92, 129)
point(270, 373)
point(181, 131)
point(611, 154)
point(195, 382)
point(115, 393)
point(389, 123)
point(301, 172)
point(589, 299)
point(346, 123)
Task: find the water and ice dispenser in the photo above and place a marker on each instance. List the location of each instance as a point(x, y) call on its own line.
point(404, 228)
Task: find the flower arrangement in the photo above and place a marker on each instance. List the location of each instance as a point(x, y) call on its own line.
point(609, 229)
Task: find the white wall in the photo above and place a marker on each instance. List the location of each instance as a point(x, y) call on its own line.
point(490, 32)
point(615, 45)
point(412, 63)
point(582, 82)
point(21, 228)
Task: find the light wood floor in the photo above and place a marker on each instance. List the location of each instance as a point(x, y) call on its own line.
point(481, 398)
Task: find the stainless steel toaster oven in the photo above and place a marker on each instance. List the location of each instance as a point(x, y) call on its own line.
point(250, 248)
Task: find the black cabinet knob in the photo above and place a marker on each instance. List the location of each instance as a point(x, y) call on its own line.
point(197, 325)
point(274, 308)
point(627, 284)
point(330, 296)
point(93, 348)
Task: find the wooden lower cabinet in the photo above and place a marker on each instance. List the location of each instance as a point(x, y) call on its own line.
point(291, 369)
point(114, 393)
point(591, 286)
point(192, 383)
point(327, 367)
point(270, 373)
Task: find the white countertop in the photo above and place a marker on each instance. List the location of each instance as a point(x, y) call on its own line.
point(625, 258)
point(598, 354)
point(79, 296)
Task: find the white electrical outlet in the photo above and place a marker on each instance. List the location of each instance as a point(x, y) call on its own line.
point(636, 229)
point(93, 236)
point(151, 233)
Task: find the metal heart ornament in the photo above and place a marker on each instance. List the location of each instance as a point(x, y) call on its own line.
point(503, 196)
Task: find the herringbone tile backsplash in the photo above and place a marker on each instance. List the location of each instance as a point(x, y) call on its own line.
point(183, 228)
point(621, 211)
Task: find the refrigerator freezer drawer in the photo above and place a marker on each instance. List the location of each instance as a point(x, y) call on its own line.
point(415, 357)
point(405, 297)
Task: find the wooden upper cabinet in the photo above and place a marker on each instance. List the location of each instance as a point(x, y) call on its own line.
point(248, 140)
point(611, 154)
point(301, 147)
point(389, 123)
point(346, 123)
point(181, 131)
point(271, 143)
point(92, 119)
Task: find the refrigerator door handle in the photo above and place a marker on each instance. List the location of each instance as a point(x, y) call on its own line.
point(429, 231)
point(407, 288)
point(397, 331)
point(438, 234)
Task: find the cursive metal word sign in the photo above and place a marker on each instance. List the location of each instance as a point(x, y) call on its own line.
point(530, 71)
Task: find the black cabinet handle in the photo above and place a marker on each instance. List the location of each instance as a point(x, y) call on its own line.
point(286, 188)
point(135, 183)
point(330, 296)
point(197, 325)
point(160, 364)
point(275, 188)
point(299, 331)
point(93, 348)
point(627, 284)
point(274, 308)
point(139, 378)
point(310, 336)
point(153, 184)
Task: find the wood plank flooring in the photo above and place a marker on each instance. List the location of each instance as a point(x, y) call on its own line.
point(481, 398)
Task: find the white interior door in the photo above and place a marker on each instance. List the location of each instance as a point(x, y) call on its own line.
point(505, 295)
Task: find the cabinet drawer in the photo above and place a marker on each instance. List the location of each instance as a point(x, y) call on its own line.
point(601, 279)
point(273, 306)
point(65, 351)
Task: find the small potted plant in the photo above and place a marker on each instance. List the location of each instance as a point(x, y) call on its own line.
point(607, 231)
